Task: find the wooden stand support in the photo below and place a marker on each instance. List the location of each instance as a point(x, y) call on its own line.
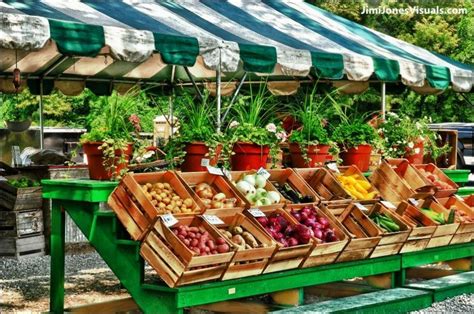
point(293, 297)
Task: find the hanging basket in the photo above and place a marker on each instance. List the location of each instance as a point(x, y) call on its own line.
point(18, 126)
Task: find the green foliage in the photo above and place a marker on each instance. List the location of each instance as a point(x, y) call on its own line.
point(17, 107)
point(354, 133)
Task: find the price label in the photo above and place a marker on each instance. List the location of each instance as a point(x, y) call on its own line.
point(361, 207)
point(215, 171)
point(204, 162)
point(227, 173)
point(169, 220)
point(333, 166)
point(263, 172)
point(413, 201)
point(256, 212)
point(213, 219)
point(388, 204)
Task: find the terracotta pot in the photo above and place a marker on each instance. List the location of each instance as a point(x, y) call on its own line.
point(95, 160)
point(249, 156)
point(358, 156)
point(415, 158)
point(18, 126)
point(318, 155)
point(195, 152)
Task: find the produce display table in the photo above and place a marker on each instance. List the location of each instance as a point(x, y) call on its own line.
point(84, 201)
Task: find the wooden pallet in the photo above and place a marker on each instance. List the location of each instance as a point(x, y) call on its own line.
point(443, 233)
point(22, 247)
point(12, 198)
point(252, 261)
point(465, 231)
point(282, 176)
point(391, 242)
point(443, 177)
point(135, 210)
point(324, 184)
point(175, 263)
point(363, 232)
point(422, 227)
point(21, 223)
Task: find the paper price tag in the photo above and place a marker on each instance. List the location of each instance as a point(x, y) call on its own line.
point(204, 162)
point(215, 171)
point(256, 212)
point(169, 220)
point(333, 166)
point(361, 207)
point(263, 173)
point(213, 219)
point(388, 204)
point(227, 173)
point(413, 201)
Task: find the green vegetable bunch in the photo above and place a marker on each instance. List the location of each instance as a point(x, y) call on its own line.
point(353, 133)
point(23, 183)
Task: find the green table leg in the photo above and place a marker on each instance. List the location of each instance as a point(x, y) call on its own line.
point(400, 277)
point(56, 299)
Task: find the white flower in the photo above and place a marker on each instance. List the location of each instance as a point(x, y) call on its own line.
point(421, 138)
point(234, 124)
point(281, 136)
point(417, 150)
point(418, 125)
point(399, 142)
point(411, 144)
point(393, 114)
point(271, 127)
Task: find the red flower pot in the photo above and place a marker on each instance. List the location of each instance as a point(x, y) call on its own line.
point(359, 156)
point(95, 160)
point(318, 155)
point(195, 152)
point(249, 156)
point(414, 158)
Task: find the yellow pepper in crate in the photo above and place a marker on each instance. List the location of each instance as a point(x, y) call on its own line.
point(356, 187)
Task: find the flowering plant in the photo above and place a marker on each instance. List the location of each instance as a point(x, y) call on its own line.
point(401, 135)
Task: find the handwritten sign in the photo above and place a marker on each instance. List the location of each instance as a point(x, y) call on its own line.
point(213, 219)
point(256, 212)
point(263, 172)
point(169, 220)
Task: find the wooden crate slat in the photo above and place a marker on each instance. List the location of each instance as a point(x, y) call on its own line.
point(21, 224)
point(22, 247)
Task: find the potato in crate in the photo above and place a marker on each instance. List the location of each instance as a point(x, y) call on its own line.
point(324, 184)
point(329, 237)
point(294, 240)
point(140, 198)
point(293, 188)
point(189, 251)
point(463, 214)
point(443, 185)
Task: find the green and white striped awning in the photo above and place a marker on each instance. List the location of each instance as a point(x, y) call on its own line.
point(74, 42)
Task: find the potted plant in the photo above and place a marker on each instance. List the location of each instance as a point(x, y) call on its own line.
point(197, 137)
point(17, 111)
point(252, 134)
point(109, 143)
point(405, 137)
point(309, 143)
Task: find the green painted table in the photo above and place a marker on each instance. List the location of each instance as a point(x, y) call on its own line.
point(84, 201)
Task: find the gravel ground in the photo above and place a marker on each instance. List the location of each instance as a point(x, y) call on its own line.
point(24, 286)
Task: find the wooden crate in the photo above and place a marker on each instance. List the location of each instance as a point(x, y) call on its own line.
point(391, 242)
point(422, 227)
point(288, 176)
point(218, 184)
point(12, 198)
point(391, 186)
point(324, 253)
point(443, 177)
point(174, 262)
point(136, 212)
point(21, 223)
point(412, 177)
point(354, 171)
point(465, 231)
point(443, 233)
point(469, 200)
point(251, 261)
point(449, 159)
point(22, 247)
point(284, 258)
point(237, 175)
point(362, 231)
point(323, 183)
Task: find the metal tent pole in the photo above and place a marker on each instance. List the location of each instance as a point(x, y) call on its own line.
point(218, 88)
point(235, 95)
point(383, 101)
point(41, 116)
point(171, 108)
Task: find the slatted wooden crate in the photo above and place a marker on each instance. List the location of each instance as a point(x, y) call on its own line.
point(135, 209)
point(175, 263)
point(391, 242)
point(391, 186)
point(250, 261)
point(354, 171)
point(324, 253)
point(422, 227)
point(22, 247)
point(285, 257)
point(469, 200)
point(21, 223)
point(12, 198)
point(288, 176)
point(439, 193)
point(465, 231)
point(237, 175)
point(324, 184)
point(218, 185)
point(412, 177)
point(443, 233)
point(362, 231)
